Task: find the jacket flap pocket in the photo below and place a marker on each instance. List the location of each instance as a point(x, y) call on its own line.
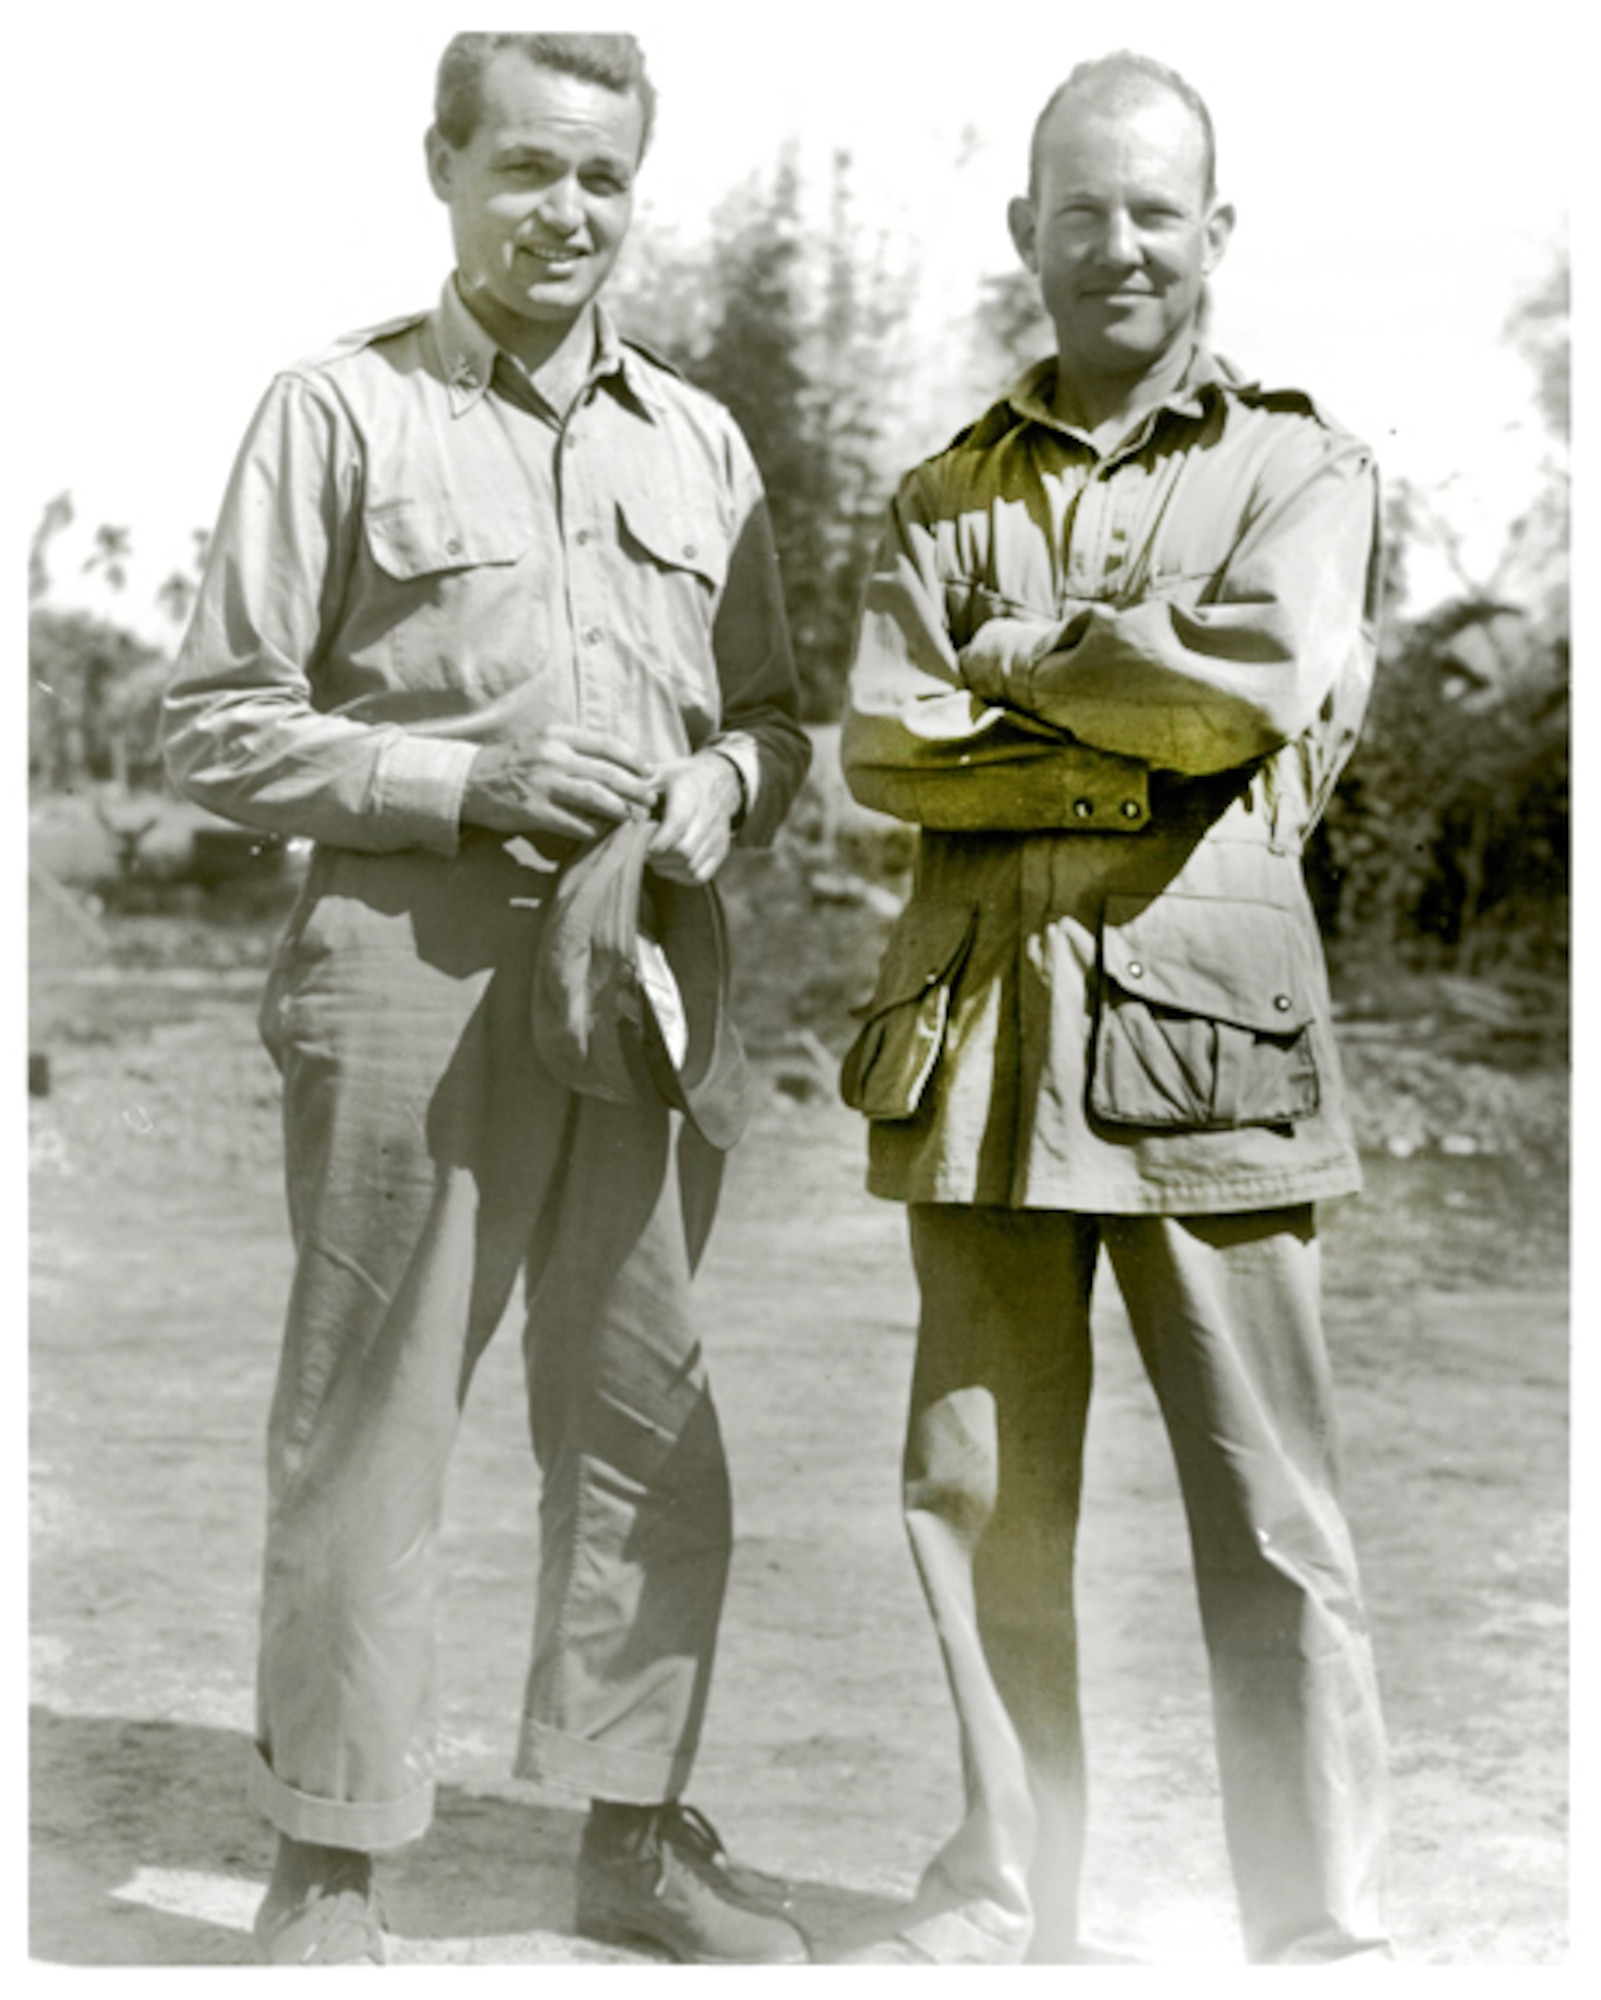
point(888, 1066)
point(1230, 961)
point(412, 538)
point(926, 948)
point(676, 534)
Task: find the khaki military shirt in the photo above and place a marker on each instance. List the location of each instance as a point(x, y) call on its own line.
point(415, 554)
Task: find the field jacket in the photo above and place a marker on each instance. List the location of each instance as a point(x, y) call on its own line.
point(1115, 692)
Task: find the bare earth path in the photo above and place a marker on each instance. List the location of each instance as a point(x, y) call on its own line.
point(159, 1269)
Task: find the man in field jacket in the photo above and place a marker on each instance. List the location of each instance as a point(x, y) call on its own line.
point(1114, 654)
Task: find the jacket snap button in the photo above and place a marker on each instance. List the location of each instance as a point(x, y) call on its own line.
point(1282, 1002)
point(1135, 969)
point(1131, 808)
point(1083, 808)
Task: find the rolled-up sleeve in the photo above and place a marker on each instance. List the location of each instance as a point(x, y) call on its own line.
point(242, 732)
point(918, 742)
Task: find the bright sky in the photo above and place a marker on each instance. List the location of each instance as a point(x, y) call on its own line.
point(213, 192)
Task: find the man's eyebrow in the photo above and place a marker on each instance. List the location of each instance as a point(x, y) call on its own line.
point(518, 153)
point(515, 151)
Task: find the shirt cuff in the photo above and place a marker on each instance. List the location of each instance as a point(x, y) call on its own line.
point(740, 752)
point(422, 781)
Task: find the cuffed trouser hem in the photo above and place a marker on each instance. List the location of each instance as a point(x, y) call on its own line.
point(546, 1756)
point(367, 1826)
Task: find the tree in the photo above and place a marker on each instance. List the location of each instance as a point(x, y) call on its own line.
point(56, 518)
point(95, 697)
point(1449, 832)
point(794, 348)
point(1010, 330)
point(109, 557)
point(177, 595)
point(785, 324)
point(1536, 562)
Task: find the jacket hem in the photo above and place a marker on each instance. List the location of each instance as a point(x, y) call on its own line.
point(1207, 1194)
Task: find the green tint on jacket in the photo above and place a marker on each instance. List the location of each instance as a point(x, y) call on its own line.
point(1116, 694)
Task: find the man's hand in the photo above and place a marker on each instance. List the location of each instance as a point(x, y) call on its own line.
point(996, 661)
point(700, 797)
point(561, 780)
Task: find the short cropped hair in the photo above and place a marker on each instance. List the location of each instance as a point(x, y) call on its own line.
point(1124, 77)
point(616, 62)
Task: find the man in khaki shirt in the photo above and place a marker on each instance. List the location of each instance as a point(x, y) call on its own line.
point(490, 583)
point(1114, 654)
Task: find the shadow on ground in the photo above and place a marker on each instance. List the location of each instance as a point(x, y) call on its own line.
point(145, 1853)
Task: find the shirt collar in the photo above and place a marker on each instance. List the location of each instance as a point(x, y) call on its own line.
point(468, 352)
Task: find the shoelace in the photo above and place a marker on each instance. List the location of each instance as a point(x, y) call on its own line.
point(694, 1836)
point(692, 1833)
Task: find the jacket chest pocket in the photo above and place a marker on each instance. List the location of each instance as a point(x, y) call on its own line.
point(887, 1068)
point(1204, 1016)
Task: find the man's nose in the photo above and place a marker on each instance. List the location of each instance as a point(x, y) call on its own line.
point(1120, 240)
point(560, 205)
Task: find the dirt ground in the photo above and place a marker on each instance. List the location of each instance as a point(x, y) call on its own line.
point(159, 1264)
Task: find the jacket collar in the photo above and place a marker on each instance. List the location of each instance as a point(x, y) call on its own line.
point(1207, 377)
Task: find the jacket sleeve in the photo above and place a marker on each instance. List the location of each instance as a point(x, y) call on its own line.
point(760, 732)
point(920, 743)
point(242, 733)
point(1198, 687)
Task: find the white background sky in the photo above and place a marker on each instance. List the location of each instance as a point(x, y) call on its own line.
point(211, 192)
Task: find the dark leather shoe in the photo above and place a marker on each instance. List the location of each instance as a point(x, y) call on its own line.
point(320, 1909)
point(666, 1881)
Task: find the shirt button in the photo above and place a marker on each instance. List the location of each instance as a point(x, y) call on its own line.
point(581, 537)
point(690, 551)
point(453, 547)
point(592, 636)
point(1083, 808)
point(1135, 969)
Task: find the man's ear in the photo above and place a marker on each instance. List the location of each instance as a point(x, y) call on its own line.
point(439, 156)
point(1020, 220)
point(1219, 228)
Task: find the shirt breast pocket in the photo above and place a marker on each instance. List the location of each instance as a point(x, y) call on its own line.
point(464, 615)
point(412, 540)
point(677, 553)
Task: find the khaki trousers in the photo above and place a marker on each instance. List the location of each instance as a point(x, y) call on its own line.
point(432, 1163)
point(1226, 1314)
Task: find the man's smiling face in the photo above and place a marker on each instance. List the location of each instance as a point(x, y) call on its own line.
point(541, 195)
